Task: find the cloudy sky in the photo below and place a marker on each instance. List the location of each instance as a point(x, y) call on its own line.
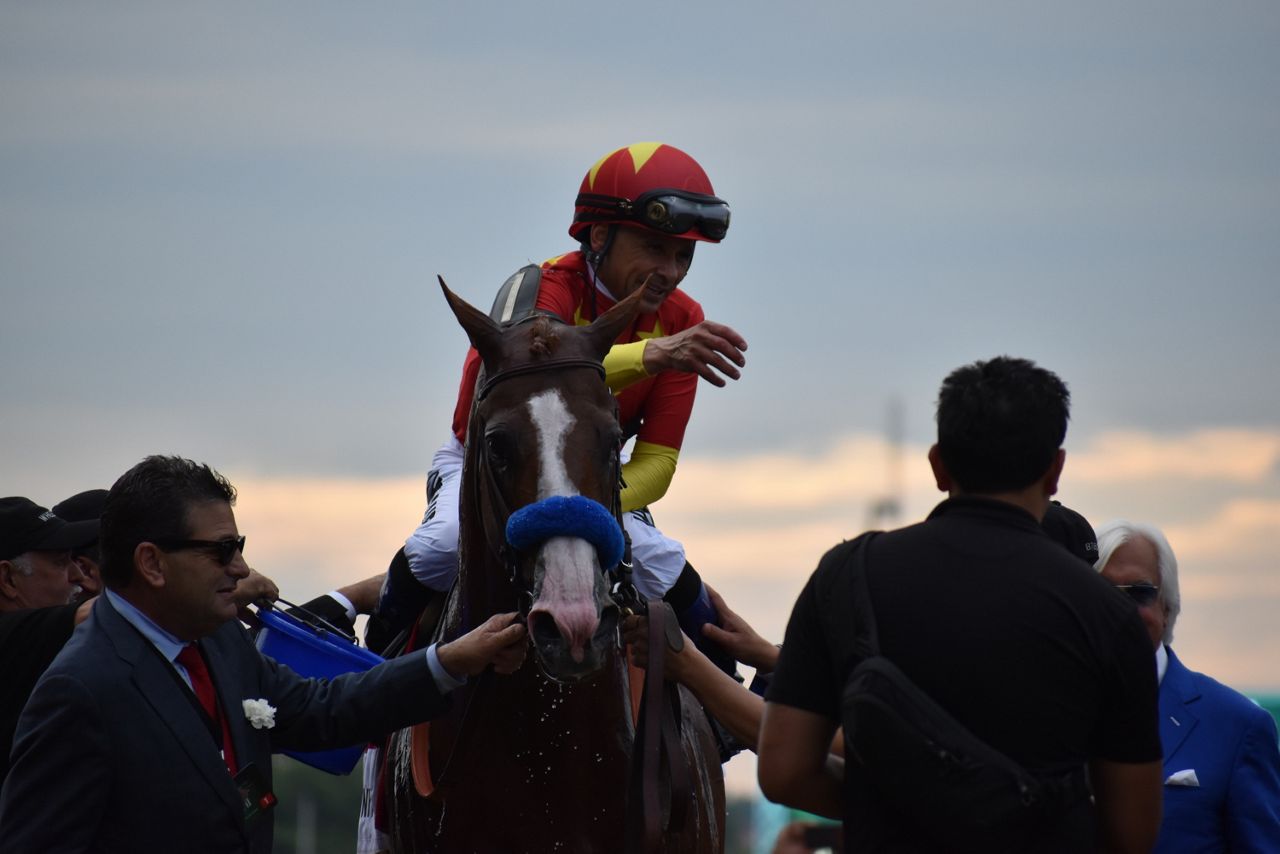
point(220, 227)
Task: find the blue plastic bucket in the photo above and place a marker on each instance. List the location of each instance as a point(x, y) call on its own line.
point(318, 654)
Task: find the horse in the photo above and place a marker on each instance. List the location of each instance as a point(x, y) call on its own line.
point(541, 760)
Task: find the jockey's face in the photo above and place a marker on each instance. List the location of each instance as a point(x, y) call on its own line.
point(640, 258)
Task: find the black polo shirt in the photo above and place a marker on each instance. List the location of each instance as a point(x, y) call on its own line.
point(1022, 642)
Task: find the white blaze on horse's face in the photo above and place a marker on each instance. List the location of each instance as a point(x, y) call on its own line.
point(569, 564)
point(552, 421)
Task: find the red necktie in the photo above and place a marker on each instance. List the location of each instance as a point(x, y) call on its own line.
point(202, 684)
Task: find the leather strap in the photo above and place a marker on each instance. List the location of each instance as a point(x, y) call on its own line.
point(659, 738)
point(651, 715)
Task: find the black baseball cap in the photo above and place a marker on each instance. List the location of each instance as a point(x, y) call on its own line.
point(1073, 531)
point(26, 526)
point(82, 506)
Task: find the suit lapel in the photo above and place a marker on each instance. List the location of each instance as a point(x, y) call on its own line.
point(1178, 695)
point(153, 679)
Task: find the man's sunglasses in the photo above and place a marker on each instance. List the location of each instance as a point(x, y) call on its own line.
point(223, 551)
point(1142, 594)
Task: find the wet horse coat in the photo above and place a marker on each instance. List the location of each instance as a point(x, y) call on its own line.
point(539, 761)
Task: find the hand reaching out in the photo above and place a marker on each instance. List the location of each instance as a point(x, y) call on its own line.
point(736, 635)
point(703, 349)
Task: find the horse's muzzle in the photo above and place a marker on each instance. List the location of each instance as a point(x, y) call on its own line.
point(571, 660)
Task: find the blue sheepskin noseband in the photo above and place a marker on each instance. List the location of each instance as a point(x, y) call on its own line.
point(567, 516)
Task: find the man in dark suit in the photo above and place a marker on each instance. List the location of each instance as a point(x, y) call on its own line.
point(1221, 761)
point(153, 729)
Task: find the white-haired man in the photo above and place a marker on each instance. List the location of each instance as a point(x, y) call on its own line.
point(1221, 761)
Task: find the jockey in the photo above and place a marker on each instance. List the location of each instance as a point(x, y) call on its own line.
point(639, 214)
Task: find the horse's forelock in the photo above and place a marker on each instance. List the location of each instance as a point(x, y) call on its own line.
point(544, 339)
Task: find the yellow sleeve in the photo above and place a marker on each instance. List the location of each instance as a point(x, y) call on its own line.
point(647, 474)
point(624, 365)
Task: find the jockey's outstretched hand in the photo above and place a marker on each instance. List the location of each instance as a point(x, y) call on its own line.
point(500, 640)
point(736, 635)
point(703, 349)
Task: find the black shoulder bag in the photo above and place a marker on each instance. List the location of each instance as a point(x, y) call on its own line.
point(947, 783)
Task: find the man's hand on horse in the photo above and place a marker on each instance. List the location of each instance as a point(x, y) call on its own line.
point(739, 639)
point(500, 640)
point(703, 350)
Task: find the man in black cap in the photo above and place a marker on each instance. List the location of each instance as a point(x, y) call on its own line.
point(85, 507)
point(1073, 531)
point(39, 586)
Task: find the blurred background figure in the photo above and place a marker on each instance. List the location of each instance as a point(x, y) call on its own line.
point(39, 601)
point(1221, 760)
point(85, 507)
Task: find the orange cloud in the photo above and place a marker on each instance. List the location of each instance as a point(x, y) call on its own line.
point(312, 535)
point(1239, 456)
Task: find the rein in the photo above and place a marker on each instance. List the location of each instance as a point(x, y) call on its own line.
point(657, 739)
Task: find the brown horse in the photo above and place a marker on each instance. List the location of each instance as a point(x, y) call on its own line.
point(540, 761)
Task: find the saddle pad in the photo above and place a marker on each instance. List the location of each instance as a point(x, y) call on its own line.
point(420, 758)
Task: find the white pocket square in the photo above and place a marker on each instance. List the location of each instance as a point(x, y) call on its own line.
point(1183, 778)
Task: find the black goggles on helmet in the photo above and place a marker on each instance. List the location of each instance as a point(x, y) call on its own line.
point(668, 211)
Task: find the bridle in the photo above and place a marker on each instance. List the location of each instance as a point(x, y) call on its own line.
point(621, 589)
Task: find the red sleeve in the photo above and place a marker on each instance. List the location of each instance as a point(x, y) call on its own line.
point(667, 400)
point(666, 408)
point(466, 393)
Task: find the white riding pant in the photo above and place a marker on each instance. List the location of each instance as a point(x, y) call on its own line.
point(432, 549)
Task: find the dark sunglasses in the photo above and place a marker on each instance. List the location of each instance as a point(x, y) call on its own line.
point(223, 551)
point(1142, 594)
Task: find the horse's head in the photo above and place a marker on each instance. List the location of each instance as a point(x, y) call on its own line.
point(542, 475)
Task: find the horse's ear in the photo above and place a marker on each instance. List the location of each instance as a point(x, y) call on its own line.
point(606, 328)
point(485, 334)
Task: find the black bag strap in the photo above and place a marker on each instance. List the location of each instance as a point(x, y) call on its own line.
point(852, 632)
point(518, 296)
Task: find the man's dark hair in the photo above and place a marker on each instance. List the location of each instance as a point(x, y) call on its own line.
point(1000, 423)
point(150, 502)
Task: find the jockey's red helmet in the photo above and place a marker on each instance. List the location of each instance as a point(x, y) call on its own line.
point(653, 185)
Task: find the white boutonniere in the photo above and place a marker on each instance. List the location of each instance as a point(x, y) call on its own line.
point(260, 713)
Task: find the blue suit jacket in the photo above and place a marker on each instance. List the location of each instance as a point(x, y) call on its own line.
point(113, 755)
point(1230, 744)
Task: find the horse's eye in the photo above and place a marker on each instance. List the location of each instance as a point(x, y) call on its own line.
point(498, 450)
